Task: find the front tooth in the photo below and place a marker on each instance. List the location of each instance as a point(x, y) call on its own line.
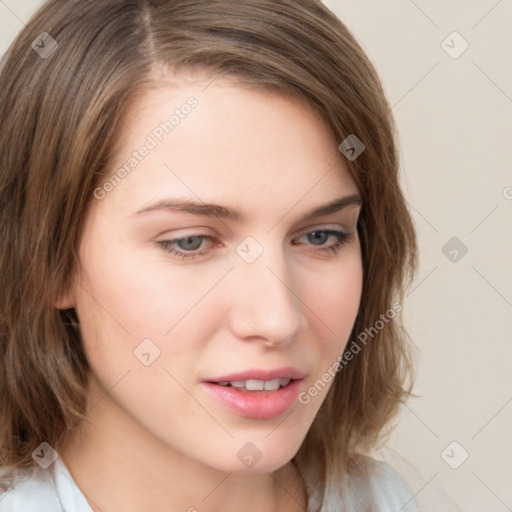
point(254, 385)
point(272, 385)
point(238, 383)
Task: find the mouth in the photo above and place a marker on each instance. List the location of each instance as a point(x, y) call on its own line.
point(255, 378)
point(257, 394)
point(252, 385)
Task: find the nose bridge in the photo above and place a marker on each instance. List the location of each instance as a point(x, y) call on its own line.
point(263, 303)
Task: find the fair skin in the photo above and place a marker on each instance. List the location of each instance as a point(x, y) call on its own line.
point(155, 439)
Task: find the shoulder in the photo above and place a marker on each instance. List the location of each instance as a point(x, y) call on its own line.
point(389, 490)
point(32, 491)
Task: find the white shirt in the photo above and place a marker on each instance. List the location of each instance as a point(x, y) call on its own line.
point(45, 490)
point(54, 490)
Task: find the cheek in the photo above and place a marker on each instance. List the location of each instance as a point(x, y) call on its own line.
point(136, 290)
point(123, 317)
point(336, 306)
point(334, 296)
point(124, 300)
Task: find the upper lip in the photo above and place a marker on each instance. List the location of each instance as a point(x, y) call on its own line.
point(285, 372)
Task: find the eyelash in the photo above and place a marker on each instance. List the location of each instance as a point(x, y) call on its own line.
point(341, 239)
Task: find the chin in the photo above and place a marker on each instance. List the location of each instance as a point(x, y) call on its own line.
point(259, 458)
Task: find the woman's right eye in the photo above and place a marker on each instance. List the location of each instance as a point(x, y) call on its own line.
point(190, 243)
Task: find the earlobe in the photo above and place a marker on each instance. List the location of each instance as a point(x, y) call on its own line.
point(65, 300)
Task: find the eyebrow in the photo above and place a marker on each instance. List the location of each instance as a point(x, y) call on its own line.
point(216, 210)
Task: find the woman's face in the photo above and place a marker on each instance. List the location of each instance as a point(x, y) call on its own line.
point(172, 300)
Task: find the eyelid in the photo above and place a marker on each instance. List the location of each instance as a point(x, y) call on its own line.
point(326, 226)
point(214, 239)
point(185, 232)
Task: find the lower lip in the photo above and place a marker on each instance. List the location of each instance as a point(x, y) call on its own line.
point(258, 405)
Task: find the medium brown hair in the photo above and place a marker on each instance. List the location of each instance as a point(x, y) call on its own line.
point(60, 114)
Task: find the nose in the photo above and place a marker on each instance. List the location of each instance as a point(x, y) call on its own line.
point(265, 305)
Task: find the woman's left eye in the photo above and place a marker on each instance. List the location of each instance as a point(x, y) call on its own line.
point(187, 247)
point(340, 238)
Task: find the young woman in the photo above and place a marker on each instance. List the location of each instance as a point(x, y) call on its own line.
point(205, 250)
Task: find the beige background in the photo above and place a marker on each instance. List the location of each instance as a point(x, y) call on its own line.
point(455, 121)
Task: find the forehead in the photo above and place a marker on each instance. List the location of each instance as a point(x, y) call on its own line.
point(224, 140)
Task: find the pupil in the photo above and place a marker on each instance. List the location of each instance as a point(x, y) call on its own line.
point(316, 235)
point(189, 240)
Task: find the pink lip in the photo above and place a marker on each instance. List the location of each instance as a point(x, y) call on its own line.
point(285, 372)
point(259, 405)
